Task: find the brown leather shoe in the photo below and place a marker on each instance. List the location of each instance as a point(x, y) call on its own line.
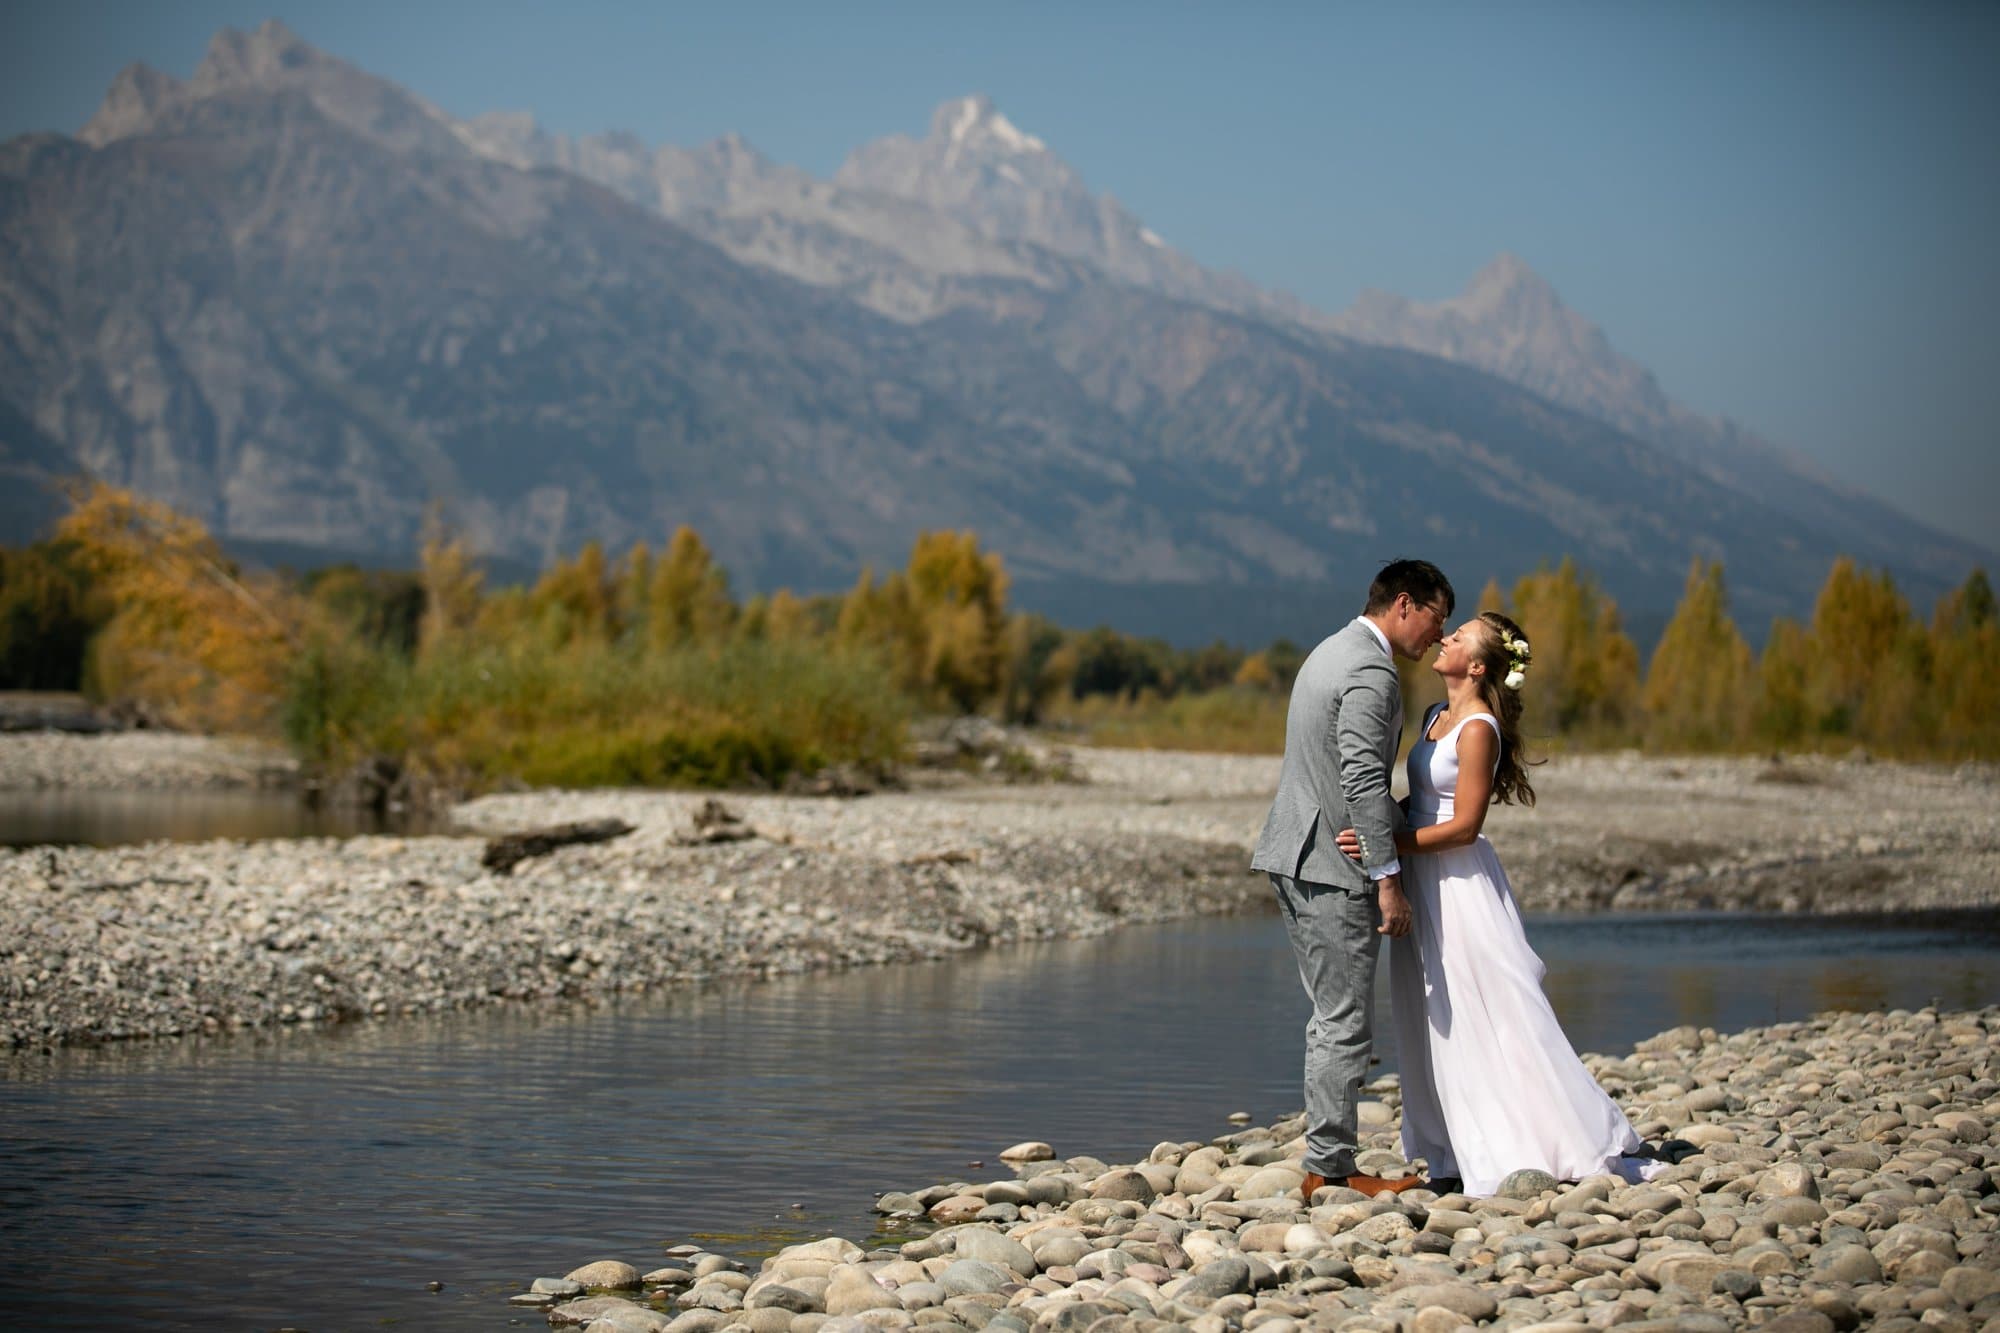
point(1373, 1185)
point(1313, 1184)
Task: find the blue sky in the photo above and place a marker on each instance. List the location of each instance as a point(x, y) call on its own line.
point(1787, 211)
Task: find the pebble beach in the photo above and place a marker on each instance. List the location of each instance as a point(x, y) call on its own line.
point(164, 939)
point(1831, 1174)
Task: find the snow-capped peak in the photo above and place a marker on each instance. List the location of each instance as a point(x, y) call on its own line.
point(972, 119)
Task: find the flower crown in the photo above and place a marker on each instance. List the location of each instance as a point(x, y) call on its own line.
point(1518, 655)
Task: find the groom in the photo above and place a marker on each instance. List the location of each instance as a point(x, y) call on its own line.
point(1341, 733)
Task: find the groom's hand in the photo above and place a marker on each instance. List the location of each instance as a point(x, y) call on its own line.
point(1349, 842)
point(1395, 907)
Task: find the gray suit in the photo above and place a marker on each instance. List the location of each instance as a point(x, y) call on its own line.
point(1341, 732)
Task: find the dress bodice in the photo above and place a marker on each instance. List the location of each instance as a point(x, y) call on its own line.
point(1433, 768)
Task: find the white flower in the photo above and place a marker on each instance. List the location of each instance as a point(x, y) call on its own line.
point(1514, 679)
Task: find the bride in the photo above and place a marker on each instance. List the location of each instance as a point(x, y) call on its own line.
point(1490, 1084)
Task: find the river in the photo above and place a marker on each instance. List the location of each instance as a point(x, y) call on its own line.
point(321, 1179)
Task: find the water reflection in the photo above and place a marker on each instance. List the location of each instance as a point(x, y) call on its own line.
point(320, 1179)
point(119, 818)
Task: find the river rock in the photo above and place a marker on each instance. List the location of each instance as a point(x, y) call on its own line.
point(1215, 1279)
point(1128, 1185)
point(1031, 1151)
point(1527, 1184)
point(778, 1296)
point(1460, 1298)
point(970, 1276)
point(994, 1248)
point(850, 1290)
point(608, 1274)
point(590, 1307)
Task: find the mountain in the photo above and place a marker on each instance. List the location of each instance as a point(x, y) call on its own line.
point(301, 303)
point(1510, 322)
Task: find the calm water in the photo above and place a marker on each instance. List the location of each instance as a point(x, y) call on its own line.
point(321, 1179)
point(114, 818)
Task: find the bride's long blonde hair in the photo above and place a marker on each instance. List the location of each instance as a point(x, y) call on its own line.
point(1510, 779)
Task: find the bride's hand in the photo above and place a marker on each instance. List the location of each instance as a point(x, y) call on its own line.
point(1349, 842)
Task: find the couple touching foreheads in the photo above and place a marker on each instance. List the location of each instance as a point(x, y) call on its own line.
point(1490, 1084)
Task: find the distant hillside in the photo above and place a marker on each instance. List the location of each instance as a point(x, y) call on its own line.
point(301, 303)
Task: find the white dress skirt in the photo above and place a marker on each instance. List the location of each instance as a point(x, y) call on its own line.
point(1490, 1083)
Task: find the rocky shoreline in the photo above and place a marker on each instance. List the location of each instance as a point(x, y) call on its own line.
point(170, 938)
point(1832, 1174)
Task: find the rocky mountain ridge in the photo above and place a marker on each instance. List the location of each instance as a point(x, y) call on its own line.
point(300, 302)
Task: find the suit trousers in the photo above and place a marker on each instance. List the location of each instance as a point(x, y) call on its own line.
point(1333, 937)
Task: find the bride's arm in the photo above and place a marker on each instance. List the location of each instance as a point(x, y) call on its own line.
point(1478, 747)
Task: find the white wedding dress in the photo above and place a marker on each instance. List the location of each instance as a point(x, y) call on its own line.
point(1490, 1083)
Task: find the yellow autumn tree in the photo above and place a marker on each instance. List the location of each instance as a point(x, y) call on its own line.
point(959, 595)
point(1864, 656)
point(1783, 715)
point(454, 585)
point(631, 587)
point(195, 640)
point(1585, 679)
point(1697, 686)
point(688, 601)
point(576, 600)
point(1965, 650)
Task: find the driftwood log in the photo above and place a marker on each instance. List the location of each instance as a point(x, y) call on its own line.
point(506, 852)
point(715, 822)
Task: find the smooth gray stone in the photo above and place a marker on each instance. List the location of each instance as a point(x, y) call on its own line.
point(1848, 1263)
point(556, 1286)
point(534, 1298)
point(974, 1313)
point(1064, 1251)
point(994, 1248)
point(967, 1276)
point(1527, 1184)
point(635, 1319)
point(712, 1296)
point(1078, 1316)
point(697, 1321)
point(898, 1204)
point(921, 1295)
point(1125, 1185)
point(1217, 1278)
point(1458, 1297)
point(781, 1297)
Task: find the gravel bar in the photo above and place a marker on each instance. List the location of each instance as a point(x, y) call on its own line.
point(166, 938)
point(1827, 1175)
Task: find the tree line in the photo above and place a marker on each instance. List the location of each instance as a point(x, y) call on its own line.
point(645, 667)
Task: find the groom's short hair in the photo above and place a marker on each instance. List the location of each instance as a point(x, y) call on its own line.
point(1422, 580)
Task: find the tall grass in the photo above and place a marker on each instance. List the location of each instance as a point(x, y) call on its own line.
point(1236, 720)
point(471, 714)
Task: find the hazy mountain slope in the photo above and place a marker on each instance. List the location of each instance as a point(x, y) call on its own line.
point(1511, 322)
point(275, 297)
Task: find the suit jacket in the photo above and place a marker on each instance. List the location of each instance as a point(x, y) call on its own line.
point(1342, 728)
